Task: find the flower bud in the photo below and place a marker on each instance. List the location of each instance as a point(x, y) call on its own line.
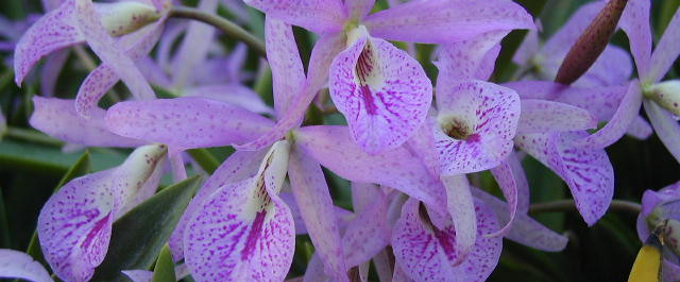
point(666, 94)
point(121, 18)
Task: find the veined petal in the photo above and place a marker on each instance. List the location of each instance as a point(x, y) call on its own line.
point(635, 23)
point(383, 93)
point(316, 207)
point(477, 123)
point(332, 146)
point(358, 9)
point(426, 253)
point(244, 231)
point(320, 16)
point(465, 59)
point(15, 264)
point(233, 93)
point(53, 31)
point(442, 21)
point(58, 118)
point(74, 226)
point(665, 126)
point(323, 53)
point(667, 51)
point(542, 116)
point(628, 109)
point(288, 75)
point(461, 207)
point(186, 123)
point(588, 173)
point(524, 230)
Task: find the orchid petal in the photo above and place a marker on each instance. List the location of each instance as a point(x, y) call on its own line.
point(426, 253)
point(461, 207)
point(665, 126)
point(524, 230)
point(400, 275)
point(464, 59)
point(332, 146)
point(670, 271)
point(536, 89)
point(88, 22)
point(74, 226)
point(364, 195)
point(506, 182)
point(541, 116)
point(612, 67)
point(235, 94)
point(383, 93)
point(521, 182)
point(53, 31)
point(422, 145)
point(51, 71)
point(239, 166)
point(244, 231)
point(193, 50)
point(588, 173)
point(15, 264)
point(139, 275)
point(58, 118)
point(325, 49)
point(667, 51)
point(618, 125)
point(358, 9)
point(368, 233)
point(528, 49)
point(289, 199)
point(639, 128)
point(635, 23)
point(557, 47)
point(320, 16)
point(316, 207)
point(288, 75)
point(478, 121)
point(186, 123)
point(315, 270)
point(381, 261)
point(442, 21)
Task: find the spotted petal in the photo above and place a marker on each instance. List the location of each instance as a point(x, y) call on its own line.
point(461, 207)
point(288, 75)
point(15, 264)
point(186, 123)
point(635, 23)
point(59, 119)
point(466, 59)
point(667, 51)
point(477, 123)
point(320, 16)
point(75, 224)
point(382, 91)
point(244, 231)
point(588, 173)
point(541, 116)
point(368, 233)
point(233, 93)
point(425, 253)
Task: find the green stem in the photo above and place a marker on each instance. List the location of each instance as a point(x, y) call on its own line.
point(569, 205)
point(224, 25)
point(32, 136)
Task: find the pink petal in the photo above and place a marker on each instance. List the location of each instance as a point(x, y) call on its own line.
point(364, 195)
point(464, 59)
point(368, 233)
point(640, 128)
point(332, 146)
point(289, 199)
point(15, 264)
point(383, 93)
point(487, 114)
point(316, 207)
point(588, 173)
point(442, 21)
point(666, 52)
point(53, 31)
point(186, 123)
point(320, 16)
point(88, 22)
point(323, 53)
point(461, 208)
point(288, 75)
point(524, 230)
point(243, 231)
point(426, 253)
point(381, 261)
point(559, 44)
point(358, 9)
point(670, 271)
point(536, 89)
point(665, 126)
point(521, 182)
point(422, 145)
point(506, 182)
point(541, 116)
point(51, 71)
point(635, 23)
point(75, 224)
point(139, 275)
point(235, 94)
point(627, 110)
point(528, 49)
point(602, 102)
point(58, 118)
point(193, 50)
point(613, 67)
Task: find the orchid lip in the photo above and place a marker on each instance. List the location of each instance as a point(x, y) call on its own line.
point(457, 128)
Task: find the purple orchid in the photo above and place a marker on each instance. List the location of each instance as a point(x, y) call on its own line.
point(15, 264)
point(383, 93)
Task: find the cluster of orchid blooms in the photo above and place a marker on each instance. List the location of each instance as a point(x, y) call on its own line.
point(408, 145)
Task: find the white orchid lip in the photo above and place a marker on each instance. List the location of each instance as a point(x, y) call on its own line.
point(666, 94)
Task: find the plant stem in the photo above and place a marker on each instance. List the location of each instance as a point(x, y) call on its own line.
point(224, 25)
point(569, 205)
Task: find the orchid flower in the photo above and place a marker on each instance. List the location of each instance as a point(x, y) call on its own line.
point(15, 264)
point(659, 208)
point(74, 226)
point(383, 93)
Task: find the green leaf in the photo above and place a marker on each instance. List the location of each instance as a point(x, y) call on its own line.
point(164, 271)
point(140, 234)
point(6, 242)
point(205, 159)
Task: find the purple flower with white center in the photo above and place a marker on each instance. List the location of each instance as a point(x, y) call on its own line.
point(74, 226)
point(383, 93)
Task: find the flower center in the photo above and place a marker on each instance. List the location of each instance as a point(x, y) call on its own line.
point(457, 128)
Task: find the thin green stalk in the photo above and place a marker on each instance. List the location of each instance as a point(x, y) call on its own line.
point(569, 205)
point(229, 28)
